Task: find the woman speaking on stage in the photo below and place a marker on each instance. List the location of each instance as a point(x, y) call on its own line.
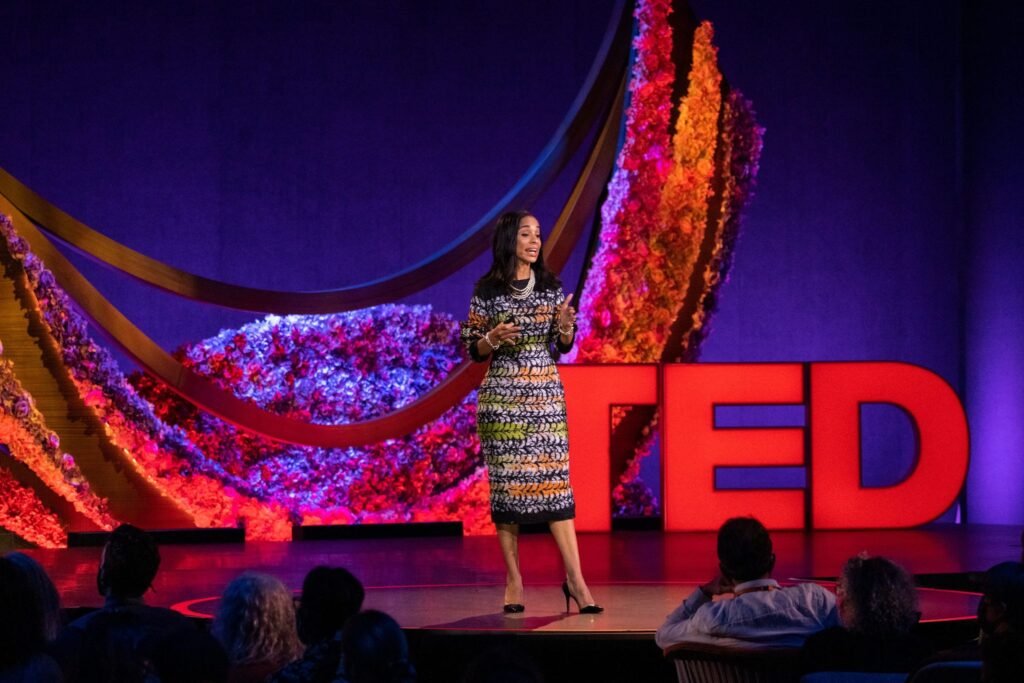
point(517, 313)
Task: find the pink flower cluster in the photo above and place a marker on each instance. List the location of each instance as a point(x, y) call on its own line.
point(613, 292)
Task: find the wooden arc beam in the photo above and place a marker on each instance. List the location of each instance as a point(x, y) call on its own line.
point(214, 399)
point(593, 98)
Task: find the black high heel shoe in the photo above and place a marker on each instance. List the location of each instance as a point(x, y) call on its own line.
point(584, 609)
point(514, 608)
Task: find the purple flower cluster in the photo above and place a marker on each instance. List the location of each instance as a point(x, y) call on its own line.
point(333, 369)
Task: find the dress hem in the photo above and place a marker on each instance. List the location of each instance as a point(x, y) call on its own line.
point(509, 517)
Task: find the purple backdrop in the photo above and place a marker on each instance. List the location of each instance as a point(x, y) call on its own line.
point(317, 144)
point(994, 278)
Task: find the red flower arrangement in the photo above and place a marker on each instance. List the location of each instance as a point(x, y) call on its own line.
point(23, 430)
point(22, 513)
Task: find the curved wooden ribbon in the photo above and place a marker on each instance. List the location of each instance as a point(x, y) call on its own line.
point(597, 91)
point(212, 398)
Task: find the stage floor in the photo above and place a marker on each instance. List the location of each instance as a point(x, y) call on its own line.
point(455, 584)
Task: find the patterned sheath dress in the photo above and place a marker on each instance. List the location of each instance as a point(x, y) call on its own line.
point(521, 408)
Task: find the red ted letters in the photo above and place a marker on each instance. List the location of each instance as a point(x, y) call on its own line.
point(828, 447)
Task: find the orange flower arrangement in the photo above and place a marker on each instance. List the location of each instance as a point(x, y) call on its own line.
point(684, 201)
point(657, 209)
point(670, 221)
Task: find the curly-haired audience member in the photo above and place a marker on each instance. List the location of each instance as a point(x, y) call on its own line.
point(256, 625)
point(330, 596)
point(877, 604)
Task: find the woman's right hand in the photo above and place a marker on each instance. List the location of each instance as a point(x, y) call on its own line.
point(504, 333)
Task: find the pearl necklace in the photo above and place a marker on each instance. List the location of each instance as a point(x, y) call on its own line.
point(525, 291)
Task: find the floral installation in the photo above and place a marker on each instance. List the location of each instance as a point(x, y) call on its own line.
point(632, 210)
point(325, 369)
point(671, 196)
point(23, 431)
point(22, 513)
point(162, 454)
point(337, 369)
point(688, 190)
point(742, 141)
point(657, 215)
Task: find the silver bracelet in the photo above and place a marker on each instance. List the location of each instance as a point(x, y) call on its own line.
point(567, 332)
point(487, 338)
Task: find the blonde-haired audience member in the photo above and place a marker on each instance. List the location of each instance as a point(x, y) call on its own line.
point(256, 625)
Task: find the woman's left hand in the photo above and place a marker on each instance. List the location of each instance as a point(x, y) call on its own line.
point(566, 314)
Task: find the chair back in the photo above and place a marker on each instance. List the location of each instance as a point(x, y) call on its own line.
point(948, 672)
point(703, 663)
point(853, 677)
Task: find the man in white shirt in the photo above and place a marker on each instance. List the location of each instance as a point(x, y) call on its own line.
point(761, 613)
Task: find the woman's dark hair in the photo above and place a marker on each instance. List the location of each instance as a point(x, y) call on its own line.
point(503, 266)
point(330, 596)
point(374, 650)
point(881, 596)
point(21, 617)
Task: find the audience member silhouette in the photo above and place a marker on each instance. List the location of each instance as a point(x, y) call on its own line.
point(1002, 658)
point(374, 650)
point(330, 596)
point(43, 589)
point(256, 625)
point(111, 643)
point(502, 665)
point(762, 613)
point(22, 630)
point(1002, 604)
point(188, 655)
point(877, 605)
point(1000, 617)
